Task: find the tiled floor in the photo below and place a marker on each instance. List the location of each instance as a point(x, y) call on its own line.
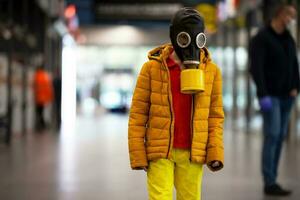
point(92, 164)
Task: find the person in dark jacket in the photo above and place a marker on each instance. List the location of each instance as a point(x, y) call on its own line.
point(274, 68)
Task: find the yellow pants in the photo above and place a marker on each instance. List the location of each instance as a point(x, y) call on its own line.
point(179, 171)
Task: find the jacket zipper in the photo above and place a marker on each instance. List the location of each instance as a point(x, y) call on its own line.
point(192, 124)
point(171, 113)
point(170, 129)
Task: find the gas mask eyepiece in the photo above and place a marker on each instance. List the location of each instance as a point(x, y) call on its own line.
point(183, 39)
point(200, 40)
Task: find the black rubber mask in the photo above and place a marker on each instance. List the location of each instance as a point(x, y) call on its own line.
point(187, 36)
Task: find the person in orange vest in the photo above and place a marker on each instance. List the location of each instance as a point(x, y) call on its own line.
point(43, 95)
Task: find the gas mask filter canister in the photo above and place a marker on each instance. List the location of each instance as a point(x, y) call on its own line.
point(192, 77)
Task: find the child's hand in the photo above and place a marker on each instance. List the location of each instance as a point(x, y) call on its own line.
point(215, 164)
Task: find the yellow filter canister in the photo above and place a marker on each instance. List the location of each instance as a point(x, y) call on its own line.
point(192, 81)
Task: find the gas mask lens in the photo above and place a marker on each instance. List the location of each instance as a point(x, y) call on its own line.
point(183, 39)
point(200, 40)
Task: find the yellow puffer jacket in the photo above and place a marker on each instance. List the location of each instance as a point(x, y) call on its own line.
point(151, 118)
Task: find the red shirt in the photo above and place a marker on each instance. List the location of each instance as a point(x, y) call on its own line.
point(182, 105)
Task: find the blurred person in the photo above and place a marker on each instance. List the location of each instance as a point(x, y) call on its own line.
point(176, 121)
point(57, 84)
point(274, 68)
point(43, 95)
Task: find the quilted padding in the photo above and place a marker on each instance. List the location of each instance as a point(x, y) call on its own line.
point(151, 118)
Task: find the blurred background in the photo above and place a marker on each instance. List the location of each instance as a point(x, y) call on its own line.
point(92, 51)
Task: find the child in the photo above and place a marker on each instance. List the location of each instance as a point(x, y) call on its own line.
point(172, 132)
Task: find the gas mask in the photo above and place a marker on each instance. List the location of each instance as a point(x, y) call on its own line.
point(187, 37)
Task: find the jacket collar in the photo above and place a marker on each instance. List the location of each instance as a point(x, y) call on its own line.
point(162, 53)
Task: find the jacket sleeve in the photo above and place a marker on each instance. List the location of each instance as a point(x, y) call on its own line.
point(138, 118)
point(257, 55)
point(215, 146)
